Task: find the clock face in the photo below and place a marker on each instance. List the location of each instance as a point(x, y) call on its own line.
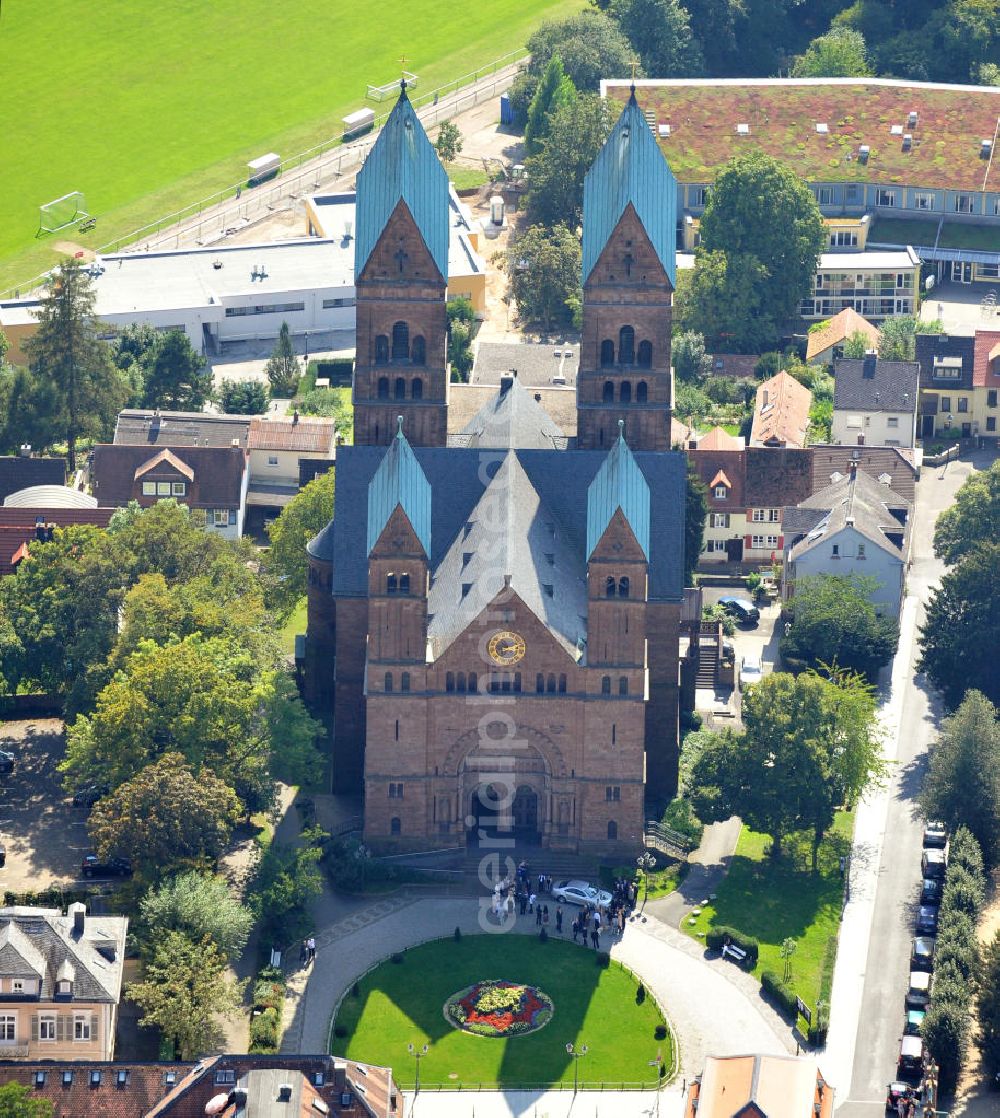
point(506, 648)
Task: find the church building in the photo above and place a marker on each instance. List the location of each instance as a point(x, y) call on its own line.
point(494, 610)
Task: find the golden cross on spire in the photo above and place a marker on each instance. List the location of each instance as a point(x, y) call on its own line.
point(634, 63)
point(402, 76)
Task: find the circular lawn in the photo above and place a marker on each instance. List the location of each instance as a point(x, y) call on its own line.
point(413, 1001)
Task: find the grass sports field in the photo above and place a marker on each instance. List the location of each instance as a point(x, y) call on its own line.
point(146, 106)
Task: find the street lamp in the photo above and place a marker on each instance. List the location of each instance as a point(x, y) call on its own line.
point(418, 1054)
point(307, 347)
point(577, 1054)
point(646, 861)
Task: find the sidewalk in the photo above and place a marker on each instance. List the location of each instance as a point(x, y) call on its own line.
point(547, 1104)
point(709, 864)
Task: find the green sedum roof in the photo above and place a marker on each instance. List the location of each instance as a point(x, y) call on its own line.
point(399, 482)
point(618, 484)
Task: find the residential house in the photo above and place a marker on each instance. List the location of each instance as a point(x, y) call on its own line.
point(959, 383)
point(875, 401)
point(19, 471)
point(781, 412)
point(153, 427)
point(278, 449)
point(826, 340)
point(856, 526)
point(759, 1087)
point(720, 439)
point(212, 479)
point(891, 465)
point(60, 983)
point(986, 383)
point(20, 527)
point(747, 493)
point(252, 1086)
point(739, 366)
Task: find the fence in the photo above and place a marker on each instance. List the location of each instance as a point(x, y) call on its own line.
point(249, 204)
point(666, 840)
point(583, 1085)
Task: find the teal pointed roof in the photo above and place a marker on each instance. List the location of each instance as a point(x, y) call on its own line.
point(630, 168)
point(618, 484)
point(399, 481)
point(402, 166)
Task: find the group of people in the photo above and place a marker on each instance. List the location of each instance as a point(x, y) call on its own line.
point(307, 951)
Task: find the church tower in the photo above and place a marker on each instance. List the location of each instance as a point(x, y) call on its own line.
point(401, 278)
point(629, 274)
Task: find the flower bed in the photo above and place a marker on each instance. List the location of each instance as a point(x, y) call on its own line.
point(498, 1008)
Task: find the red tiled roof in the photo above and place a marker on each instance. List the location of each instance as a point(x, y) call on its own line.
point(720, 439)
point(146, 1085)
point(986, 361)
point(838, 329)
point(18, 527)
point(781, 415)
point(732, 463)
point(314, 435)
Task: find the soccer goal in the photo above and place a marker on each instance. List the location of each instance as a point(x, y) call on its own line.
point(67, 210)
point(380, 92)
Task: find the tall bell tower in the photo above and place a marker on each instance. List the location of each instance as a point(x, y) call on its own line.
point(629, 273)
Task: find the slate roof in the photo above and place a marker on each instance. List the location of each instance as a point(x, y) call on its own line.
point(402, 166)
point(19, 473)
point(930, 346)
point(893, 462)
point(511, 418)
point(536, 363)
point(312, 435)
point(986, 370)
point(837, 330)
point(399, 480)
point(865, 385)
point(218, 472)
point(513, 536)
point(630, 169)
point(465, 401)
point(560, 479)
point(777, 476)
point(781, 413)
point(146, 427)
point(619, 484)
point(869, 506)
point(41, 942)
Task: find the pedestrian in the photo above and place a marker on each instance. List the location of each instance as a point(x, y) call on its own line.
point(911, 1108)
point(545, 914)
point(510, 904)
point(621, 921)
point(597, 921)
point(901, 1106)
point(595, 938)
point(524, 902)
point(559, 919)
point(538, 915)
point(576, 928)
point(311, 946)
point(531, 902)
point(304, 953)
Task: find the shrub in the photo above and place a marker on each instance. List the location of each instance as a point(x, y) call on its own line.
point(640, 994)
point(817, 1035)
point(660, 1032)
point(270, 974)
point(458, 934)
point(963, 892)
point(783, 995)
point(966, 852)
point(690, 720)
point(945, 1031)
point(268, 994)
point(716, 938)
point(679, 816)
point(340, 1031)
point(397, 957)
point(264, 1031)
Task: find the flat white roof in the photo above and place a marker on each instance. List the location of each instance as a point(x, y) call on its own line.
point(845, 261)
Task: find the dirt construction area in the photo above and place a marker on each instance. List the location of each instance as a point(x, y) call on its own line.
point(45, 836)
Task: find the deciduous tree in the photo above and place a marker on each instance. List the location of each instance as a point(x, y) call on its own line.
point(201, 906)
point(184, 991)
point(695, 511)
point(660, 33)
point(544, 270)
point(288, 877)
point(282, 366)
point(690, 360)
point(18, 1101)
point(840, 53)
point(244, 397)
point(973, 519)
point(590, 45)
point(449, 141)
point(723, 300)
point(305, 516)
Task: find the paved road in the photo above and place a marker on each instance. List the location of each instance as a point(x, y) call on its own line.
point(887, 964)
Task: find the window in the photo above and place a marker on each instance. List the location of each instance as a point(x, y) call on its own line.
point(330, 303)
point(923, 200)
point(626, 346)
point(399, 389)
point(220, 518)
point(963, 203)
point(177, 488)
point(892, 421)
point(854, 421)
point(391, 583)
point(946, 403)
point(417, 389)
point(613, 793)
point(612, 831)
point(853, 193)
point(885, 198)
point(47, 1027)
point(264, 308)
point(625, 392)
point(562, 684)
point(645, 354)
point(835, 551)
point(473, 683)
point(81, 1026)
point(991, 423)
point(404, 682)
point(720, 519)
point(395, 791)
point(610, 585)
point(149, 488)
point(461, 682)
point(699, 195)
point(387, 683)
point(843, 238)
point(404, 583)
point(382, 352)
point(824, 195)
point(225, 1077)
point(395, 826)
point(272, 459)
point(607, 353)
point(963, 404)
point(720, 492)
point(64, 988)
point(774, 515)
point(991, 398)
point(758, 516)
point(861, 551)
point(8, 1028)
point(763, 541)
point(624, 586)
point(400, 341)
point(641, 389)
point(449, 681)
point(383, 388)
point(623, 685)
point(419, 355)
point(605, 685)
point(539, 683)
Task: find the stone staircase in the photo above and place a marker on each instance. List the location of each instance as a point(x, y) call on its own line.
point(708, 658)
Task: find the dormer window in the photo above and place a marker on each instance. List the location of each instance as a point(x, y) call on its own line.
point(720, 492)
point(64, 988)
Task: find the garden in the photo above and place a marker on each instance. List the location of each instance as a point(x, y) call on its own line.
point(499, 1011)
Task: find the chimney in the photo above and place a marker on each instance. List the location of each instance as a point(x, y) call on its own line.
point(79, 913)
point(339, 1076)
point(854, 468)
point(285, 1092)
point(764, 398)
point(295, 417)
point(868, 369)
point(506, 383)
point(861, 440)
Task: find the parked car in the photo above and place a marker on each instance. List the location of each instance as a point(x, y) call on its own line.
point(931, 890)
point(914, 1019)
point(927, 920)
point(910, 1061)
point(92, 866)
point(934, 862)
point(3, 854)
point(581, 893)
point(745, 612)
point(6, 762)
point(922, 953)
point(935, 833)
point(918, 995)
point(751, 670)
point(89, 794)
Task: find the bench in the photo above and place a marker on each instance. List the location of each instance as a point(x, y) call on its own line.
point(737, 954)
point(88, 224)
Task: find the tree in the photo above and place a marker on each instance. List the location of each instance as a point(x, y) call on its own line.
point(759, 210)
point(305, 516)
point(840, 53)
point(723, 300)
point(695, 512)
point(132, 349)
point(29, 407)
point(718, 26)
point(184, 991)
point(165, 816)
point(857, 345)
point(201, 906)
point(449, 141)
point(988, 1006)
point(244, 397)
point(461, 330)
point(896, 336)
point(973, 519)
point(590, 45)
point(176, 377)
point(945, 1032)
point(18, 1101)
point(834, 622)
point(577, 132)
point(287, 879)
point(544, 271)
point(963, 619)
point(690, 360)
point(660, 33)
point(282, 366)
point(68, 355)
point(962, 785)
point(555, 90)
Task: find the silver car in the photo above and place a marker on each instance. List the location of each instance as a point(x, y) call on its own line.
point(581, 893)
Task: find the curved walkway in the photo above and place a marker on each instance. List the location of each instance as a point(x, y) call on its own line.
point(713, 1007)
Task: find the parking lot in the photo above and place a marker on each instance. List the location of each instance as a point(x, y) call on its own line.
point(45, 836)
point(760, 640)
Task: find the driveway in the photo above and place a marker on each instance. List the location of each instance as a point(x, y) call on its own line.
point(45, 835)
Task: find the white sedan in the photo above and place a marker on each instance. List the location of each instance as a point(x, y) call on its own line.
point(751, 670)
point(581, 893)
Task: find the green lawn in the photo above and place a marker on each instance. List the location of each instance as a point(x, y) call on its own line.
point(295, 624)
point(401, 1004)
point(147, 108)
point(466, 178)
point(772, 901)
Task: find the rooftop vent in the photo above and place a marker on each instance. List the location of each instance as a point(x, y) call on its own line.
point(985, 149)
point(285, 1092)
point(863, 152)
point(907, 141)
point(895, 130)
point(742, 129)
point(664, 130)
point(822, 128)
point(911, 119)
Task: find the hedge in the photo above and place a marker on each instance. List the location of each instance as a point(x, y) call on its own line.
point(716, 938)
point(268, 994)
point(784, 995)
point(338, 370)
point(264, 1031)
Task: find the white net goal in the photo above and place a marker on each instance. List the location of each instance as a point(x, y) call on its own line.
point(64, 211)
point(380, 92)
